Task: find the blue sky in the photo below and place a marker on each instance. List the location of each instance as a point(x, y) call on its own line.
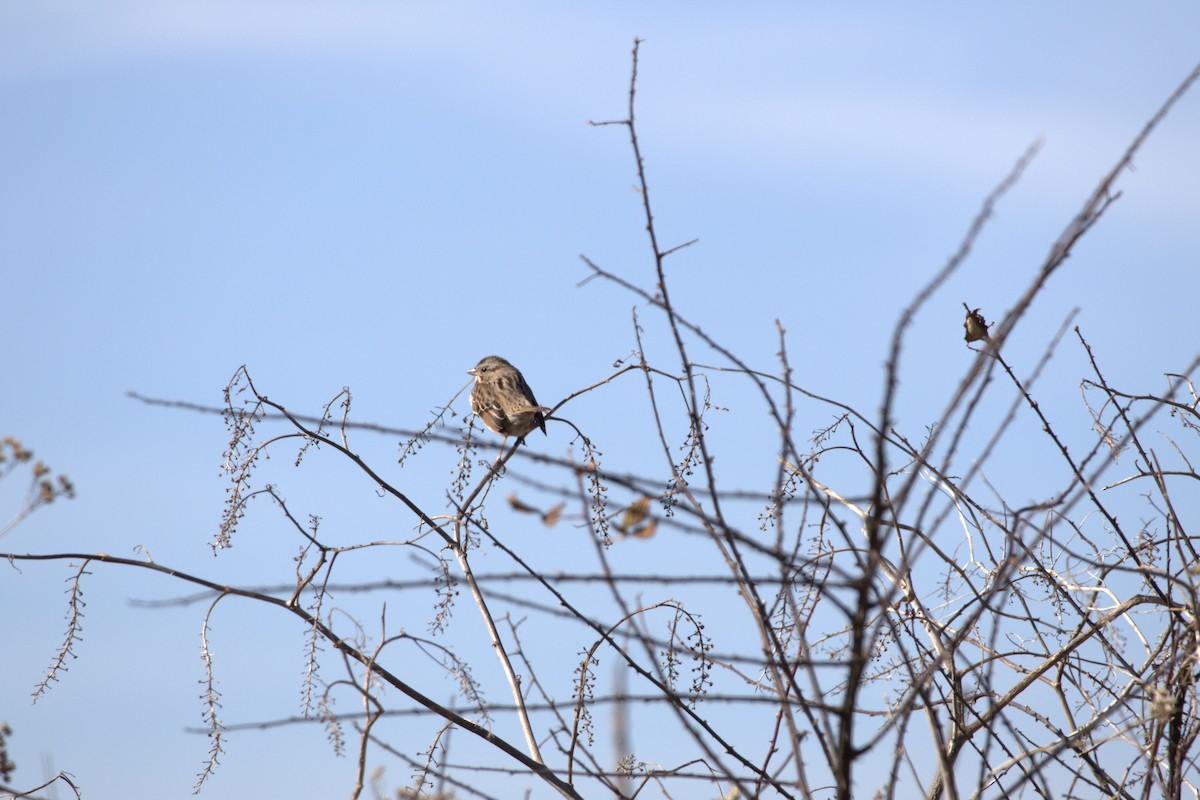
point(376, 195)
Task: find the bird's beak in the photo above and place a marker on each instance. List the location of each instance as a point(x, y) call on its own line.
point(471, 372)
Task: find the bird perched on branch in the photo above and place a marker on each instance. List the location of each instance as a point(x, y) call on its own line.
point(503, 400)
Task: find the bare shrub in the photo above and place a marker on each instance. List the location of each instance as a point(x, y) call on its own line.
point(875, 619)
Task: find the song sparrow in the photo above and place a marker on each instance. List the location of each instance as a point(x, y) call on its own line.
point(503, 400)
